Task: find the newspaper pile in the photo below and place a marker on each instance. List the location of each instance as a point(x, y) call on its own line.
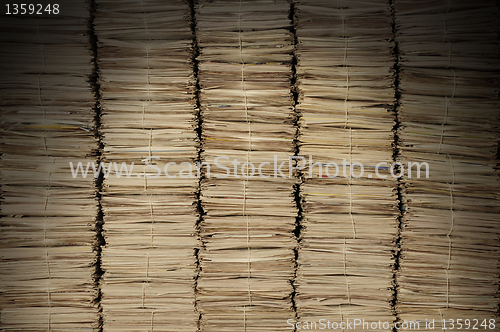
point(248, 260)
point(47, 214)
point(345, 79)
point(148, 118)
point(449, 112)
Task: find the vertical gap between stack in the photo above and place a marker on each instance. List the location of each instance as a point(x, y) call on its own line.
point(498, 150)
point(99, 241)
point(198, 124)
point(297, 188)
point(396, 154)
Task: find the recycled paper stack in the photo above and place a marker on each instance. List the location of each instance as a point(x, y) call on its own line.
point(449, 111)
point(245, 69)
point(345, 80)
point(149, 219)
point(47, 214)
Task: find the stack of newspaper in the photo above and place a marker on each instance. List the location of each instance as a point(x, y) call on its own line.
point(450, 241)
point(350, 218)
point(147, 122)
point(248, 260)
point(47, 239)
point(243, 242)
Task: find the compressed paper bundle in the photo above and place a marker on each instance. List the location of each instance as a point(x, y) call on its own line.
point(296, 110)
point(247, 262)
point(345, 80)
point(449, 60)
point(47, 213)
point(148, 117)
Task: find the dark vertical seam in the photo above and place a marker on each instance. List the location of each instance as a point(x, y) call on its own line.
point(198, 124)
point(297, 187)
point(396, 155)
point(498, 142)
point(99, 241)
